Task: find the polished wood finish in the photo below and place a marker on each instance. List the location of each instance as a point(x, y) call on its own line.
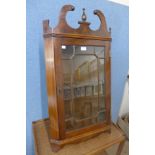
point(51, 88)
point(83, 29)
point(93, 146)
point(63, 34)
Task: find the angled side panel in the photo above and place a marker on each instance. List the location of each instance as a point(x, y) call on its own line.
point(51, 87)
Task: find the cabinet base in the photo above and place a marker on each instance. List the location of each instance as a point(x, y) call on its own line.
point(96, 145)
point(58, 144)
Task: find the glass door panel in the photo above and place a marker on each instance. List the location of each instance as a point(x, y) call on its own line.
point(83, 72)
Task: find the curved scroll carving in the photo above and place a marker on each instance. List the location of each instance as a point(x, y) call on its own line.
point(84, 29)
point(63, 13)
point(103, 25)
point(62, 24)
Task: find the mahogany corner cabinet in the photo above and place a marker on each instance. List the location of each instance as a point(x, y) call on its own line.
point(78, 78)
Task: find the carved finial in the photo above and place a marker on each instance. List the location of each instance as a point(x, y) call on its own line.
point(84, 17)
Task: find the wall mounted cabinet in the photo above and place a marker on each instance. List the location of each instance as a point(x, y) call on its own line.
point(78, 67)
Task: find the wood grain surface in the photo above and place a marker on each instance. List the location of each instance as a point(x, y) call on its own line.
point(92, 146)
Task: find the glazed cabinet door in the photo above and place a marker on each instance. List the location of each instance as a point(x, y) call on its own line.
point(83, 86)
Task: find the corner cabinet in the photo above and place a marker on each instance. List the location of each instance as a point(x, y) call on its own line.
point(78, 79)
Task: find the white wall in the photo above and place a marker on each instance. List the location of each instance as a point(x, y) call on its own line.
point(125, 100)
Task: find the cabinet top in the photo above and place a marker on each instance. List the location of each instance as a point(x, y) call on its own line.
point(83, 31)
